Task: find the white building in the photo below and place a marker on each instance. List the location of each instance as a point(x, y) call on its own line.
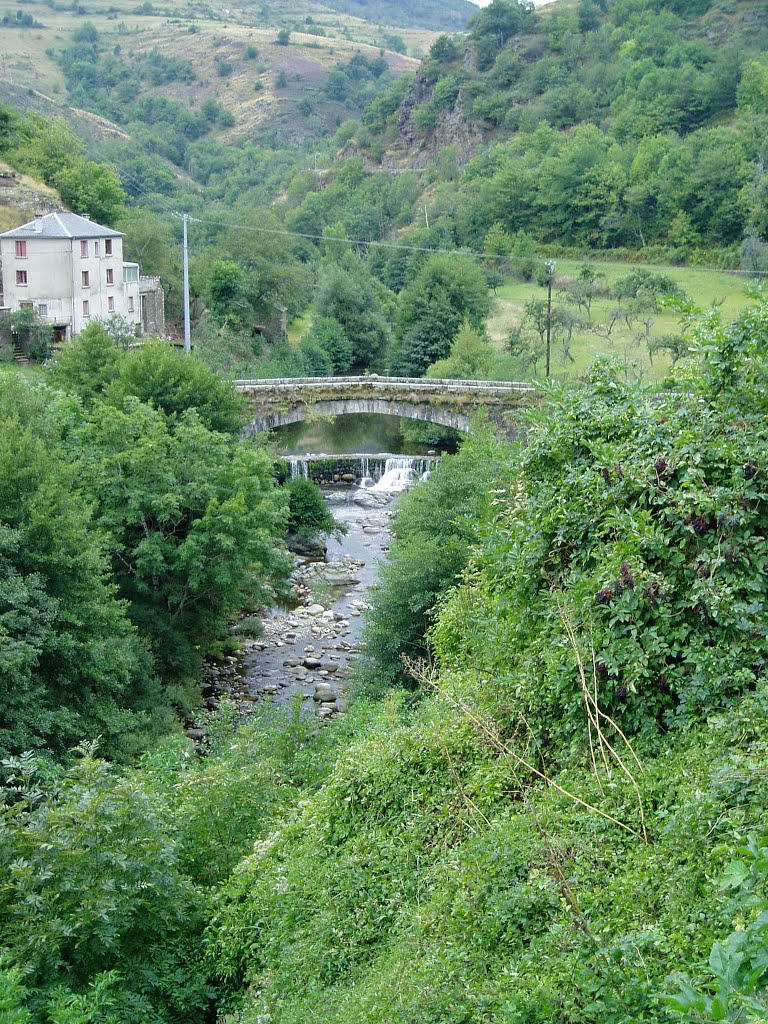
point(71, 271)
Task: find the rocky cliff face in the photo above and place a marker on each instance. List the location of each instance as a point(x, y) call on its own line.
point(451, 127)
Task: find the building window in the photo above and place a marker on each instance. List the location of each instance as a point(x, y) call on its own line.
point(86, 279)
point(95, 248)
point(86, 308)
point(21, 250)
point(26, 305)
point(21, 277)
point(111, 303)
point(130, 303)
point(83, 248)
point(110, 277)
point(42, 308)
point(108, 247)
point(130, 273)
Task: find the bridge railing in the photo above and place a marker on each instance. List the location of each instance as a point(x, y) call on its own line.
point(373, 380)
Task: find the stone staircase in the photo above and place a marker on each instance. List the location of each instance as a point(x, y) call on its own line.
point(19, 355)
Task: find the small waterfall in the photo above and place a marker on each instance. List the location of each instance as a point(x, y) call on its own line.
point(299, 467)
point(400, 473)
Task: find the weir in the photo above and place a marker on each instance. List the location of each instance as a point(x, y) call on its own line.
point(379, 471)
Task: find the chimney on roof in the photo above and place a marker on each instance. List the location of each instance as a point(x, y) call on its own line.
point(38, 221)
point(85, 216)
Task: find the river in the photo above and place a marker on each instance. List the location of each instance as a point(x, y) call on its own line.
point(306, 653)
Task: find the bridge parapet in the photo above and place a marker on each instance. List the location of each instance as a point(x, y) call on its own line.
point(377, 383)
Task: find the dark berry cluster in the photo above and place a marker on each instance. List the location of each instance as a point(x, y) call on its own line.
point(626, 580)
point(651, 593)
point(699, 524)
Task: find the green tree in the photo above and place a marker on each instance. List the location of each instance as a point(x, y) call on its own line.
point(93, 189)
point(332, 339)
point(308, 514)
point(102, 917)
point(87, 365)
point(498, 247)
point(71, 666)
point(753, 88)
point(226, 288)
point(349, 298)
point(257, 271)
point(428, 338)
point(472, 357)
point(174, 382)
point(151, 242)
point(447, 290)
point(27, 329)
point(191, 518)
point(588, 16)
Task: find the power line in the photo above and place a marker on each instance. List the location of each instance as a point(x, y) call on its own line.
point(457, 251)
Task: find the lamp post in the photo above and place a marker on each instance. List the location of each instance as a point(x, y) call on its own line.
point(550, 268)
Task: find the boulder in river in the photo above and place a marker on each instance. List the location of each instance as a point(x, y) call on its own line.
point(314, 548)
point(325, 693)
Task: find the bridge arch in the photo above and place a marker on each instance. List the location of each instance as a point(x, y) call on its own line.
point(347, 406)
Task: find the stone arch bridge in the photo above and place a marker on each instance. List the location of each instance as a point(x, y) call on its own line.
point(277, 402)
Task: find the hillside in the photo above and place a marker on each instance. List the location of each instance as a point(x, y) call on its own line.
point(434, 14)
point(21, 197)
point(631, 126)
point(272, 92)
point(545, 803)
point(632, 68)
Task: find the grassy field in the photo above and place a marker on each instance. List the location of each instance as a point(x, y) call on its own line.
point(704, 287)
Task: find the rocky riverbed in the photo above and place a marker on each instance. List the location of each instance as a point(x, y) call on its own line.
point(306, 653)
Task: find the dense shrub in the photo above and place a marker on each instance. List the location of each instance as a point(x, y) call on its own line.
point(308, 514)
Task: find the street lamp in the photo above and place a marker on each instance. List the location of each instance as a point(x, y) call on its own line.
point(549, 266)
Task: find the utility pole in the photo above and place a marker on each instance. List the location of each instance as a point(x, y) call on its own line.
point(187, 339)
point(550, 268)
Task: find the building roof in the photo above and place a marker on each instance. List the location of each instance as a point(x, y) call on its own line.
point(62, 224)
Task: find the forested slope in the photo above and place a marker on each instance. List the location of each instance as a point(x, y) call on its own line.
point(624, 124)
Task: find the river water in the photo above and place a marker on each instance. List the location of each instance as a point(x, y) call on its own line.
point(307, 653)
